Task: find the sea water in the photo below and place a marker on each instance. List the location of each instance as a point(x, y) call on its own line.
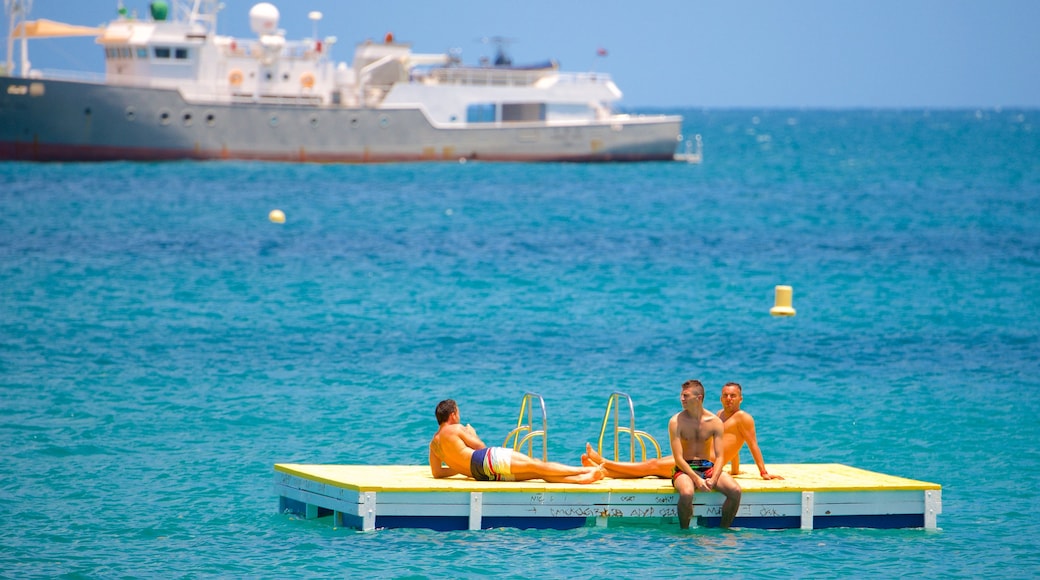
point(162, 344)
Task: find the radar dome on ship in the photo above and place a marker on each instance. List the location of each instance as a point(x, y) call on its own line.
point(263, 18)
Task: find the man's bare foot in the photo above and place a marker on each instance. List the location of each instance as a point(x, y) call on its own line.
point(587, 462)
point(592, 475)
point(594, 457)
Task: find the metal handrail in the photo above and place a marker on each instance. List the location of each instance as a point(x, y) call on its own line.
point(522, 427)
point(635, 436)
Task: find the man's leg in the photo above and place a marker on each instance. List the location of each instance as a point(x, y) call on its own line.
point(731, 489)
point(684, 485)
point(523, 468)
point(659, 467)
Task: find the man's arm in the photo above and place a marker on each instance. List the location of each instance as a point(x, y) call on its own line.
point(437, 467)
point(677, 449)
point(717, 437)
point(470, 438)
point(748, 427)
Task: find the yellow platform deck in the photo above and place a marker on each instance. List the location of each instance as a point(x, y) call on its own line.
point(816, 495)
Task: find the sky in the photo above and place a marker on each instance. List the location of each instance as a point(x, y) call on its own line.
point(681, 53)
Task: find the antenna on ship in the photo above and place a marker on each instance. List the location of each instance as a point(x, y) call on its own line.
point(203, 12)
point(502, 57)
point(314, 16)
point(17, 10)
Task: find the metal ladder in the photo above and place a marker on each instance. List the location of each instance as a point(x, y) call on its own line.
point(635, 436)
point(527, 405)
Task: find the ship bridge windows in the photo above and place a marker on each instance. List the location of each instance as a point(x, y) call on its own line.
point(518, 112)
point(480, 113)
point(118, 53)
point(505, 112)
point(167, 52)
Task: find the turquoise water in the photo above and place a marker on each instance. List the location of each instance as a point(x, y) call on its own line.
point(164, 344)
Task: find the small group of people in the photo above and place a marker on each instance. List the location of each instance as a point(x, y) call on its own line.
point(702, 443)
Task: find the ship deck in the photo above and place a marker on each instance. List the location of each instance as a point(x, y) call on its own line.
point(812, 496)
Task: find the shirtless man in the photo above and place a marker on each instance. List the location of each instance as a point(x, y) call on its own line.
point(695, 433)
point(456, 449)
point(740, 429)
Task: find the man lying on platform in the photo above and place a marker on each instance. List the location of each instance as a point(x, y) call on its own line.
point(456, 449)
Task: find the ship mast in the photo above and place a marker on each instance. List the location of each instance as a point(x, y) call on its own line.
point(16, 10)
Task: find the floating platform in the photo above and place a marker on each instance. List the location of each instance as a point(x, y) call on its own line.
point(811, 496)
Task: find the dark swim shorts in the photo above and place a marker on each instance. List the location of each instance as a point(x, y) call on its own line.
point(701, 467)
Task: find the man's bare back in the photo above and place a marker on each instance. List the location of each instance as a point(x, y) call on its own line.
point(454, 445)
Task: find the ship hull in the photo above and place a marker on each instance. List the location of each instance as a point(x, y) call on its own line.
point(60, 120)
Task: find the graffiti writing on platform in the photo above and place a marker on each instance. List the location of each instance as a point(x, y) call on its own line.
point(573, 512)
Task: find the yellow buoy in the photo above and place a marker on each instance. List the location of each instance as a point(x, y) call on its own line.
point(782, 305)
point(276, 216)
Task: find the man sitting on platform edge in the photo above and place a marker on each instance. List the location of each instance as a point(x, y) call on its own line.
point(456, 449)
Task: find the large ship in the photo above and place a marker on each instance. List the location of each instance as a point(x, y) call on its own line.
point(175, 89)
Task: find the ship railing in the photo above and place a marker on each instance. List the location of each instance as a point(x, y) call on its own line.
point(506, 77)
point(525, 433)
point(310, 100)
point(299, 50)
point(585, 78)
point(634, 436)
point(692, 153)
point(487, 76)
